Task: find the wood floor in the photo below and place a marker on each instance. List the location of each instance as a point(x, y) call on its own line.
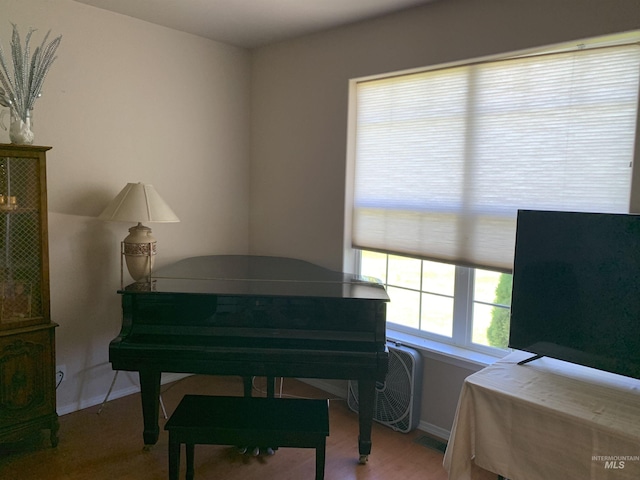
point(109, 446)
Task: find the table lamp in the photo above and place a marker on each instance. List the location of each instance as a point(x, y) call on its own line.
point(138, 202)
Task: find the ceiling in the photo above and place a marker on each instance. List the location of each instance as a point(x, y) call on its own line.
point(252, 23)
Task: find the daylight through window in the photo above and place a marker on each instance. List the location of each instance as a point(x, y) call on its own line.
point(444, 158)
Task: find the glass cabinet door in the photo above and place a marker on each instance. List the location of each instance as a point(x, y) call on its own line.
point(24, 297)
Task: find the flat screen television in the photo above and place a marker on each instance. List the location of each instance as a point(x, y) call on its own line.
point(576, 289)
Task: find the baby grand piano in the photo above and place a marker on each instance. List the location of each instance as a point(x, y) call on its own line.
point(253, 316)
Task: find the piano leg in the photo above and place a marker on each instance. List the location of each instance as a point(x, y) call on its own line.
point(366, 395)
point(248, 392)
point(248, 386)
point(271, 386)
point(150, 393)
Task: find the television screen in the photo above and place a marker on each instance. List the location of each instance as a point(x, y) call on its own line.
point(576, 288)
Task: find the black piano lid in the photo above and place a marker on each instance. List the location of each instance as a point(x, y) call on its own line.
point(258, 276)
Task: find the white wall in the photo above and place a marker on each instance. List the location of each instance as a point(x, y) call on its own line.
point(128, 101)
point(299, 119)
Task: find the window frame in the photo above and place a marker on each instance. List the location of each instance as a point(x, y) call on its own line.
point(443, 347)
point(462, 321)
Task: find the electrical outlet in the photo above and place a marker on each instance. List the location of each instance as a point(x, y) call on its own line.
point(61, 373)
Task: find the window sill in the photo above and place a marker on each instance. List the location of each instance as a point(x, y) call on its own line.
point(444, 352)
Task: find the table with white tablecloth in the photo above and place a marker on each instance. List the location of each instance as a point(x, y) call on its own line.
point(546, 420)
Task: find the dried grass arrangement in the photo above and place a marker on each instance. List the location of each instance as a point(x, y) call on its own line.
point(20, 90)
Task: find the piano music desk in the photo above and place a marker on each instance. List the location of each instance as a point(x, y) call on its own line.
point(274, 422)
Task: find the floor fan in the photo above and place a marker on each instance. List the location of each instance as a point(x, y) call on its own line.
point(397, 399)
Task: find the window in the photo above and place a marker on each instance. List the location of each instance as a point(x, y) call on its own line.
point(463, 306)
point(444, 158)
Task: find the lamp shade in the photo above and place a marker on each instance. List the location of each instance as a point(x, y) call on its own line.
point(138, 202)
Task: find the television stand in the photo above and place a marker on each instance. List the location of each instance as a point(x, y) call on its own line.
point(552, 419)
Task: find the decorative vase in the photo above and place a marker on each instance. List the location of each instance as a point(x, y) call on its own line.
point(139, 252)
point(20, 131)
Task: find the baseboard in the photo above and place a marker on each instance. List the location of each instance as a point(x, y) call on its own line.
point(328, 386)
point(173, 377)
point(434, 430)
point(340, 392)
point(96, 400)
point(119, 393)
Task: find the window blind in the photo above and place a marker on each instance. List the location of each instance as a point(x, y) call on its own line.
point(445, 158)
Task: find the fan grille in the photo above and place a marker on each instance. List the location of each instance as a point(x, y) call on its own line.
point(398, 396)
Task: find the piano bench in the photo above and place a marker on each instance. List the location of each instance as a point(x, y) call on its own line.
point(255, 421)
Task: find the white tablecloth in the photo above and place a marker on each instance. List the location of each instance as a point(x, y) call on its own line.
point(546, 420)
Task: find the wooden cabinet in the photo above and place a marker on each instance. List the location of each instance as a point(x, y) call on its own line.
point(27, 335)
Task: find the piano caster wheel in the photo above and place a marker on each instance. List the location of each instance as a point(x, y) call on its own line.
point(363, 459)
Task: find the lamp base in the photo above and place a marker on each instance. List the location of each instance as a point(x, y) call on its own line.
point(139, 250)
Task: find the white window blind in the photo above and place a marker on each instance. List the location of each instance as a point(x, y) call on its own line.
point(445, 158)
